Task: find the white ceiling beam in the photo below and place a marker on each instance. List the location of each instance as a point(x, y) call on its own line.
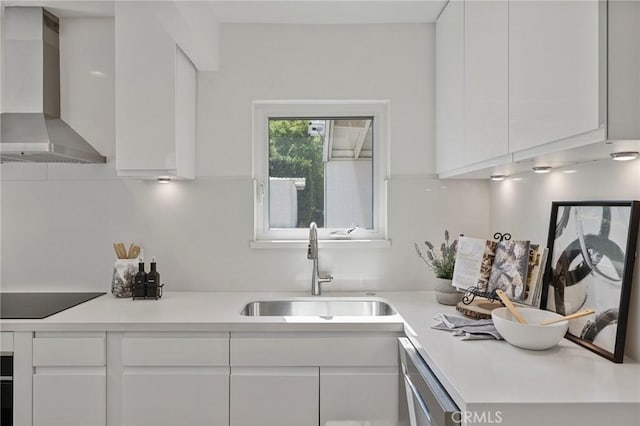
point(362, 135)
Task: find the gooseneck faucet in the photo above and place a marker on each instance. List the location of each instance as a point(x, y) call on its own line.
point(312, 254)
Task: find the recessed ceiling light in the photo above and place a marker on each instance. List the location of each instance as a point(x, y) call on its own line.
point(624, 156)
point(164, 180)
point(542, 169)
point(569, 171)
point(497, 178)
point(518, 178)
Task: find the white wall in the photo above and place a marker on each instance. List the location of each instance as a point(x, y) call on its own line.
point(59, 221)
point(523, 208)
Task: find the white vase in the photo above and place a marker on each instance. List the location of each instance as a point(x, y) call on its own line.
point(446, 293)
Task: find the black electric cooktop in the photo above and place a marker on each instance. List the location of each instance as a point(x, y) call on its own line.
point(39, 305)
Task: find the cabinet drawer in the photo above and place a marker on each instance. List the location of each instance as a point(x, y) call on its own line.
point(324, 350)
point(175, 351)
point(69, 351)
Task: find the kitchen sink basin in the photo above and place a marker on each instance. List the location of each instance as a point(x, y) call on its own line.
point(322, 308)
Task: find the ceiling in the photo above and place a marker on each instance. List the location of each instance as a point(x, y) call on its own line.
point(272, 11)
point(70, 8)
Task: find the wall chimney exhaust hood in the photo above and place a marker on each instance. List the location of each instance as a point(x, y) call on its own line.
point(31, 129)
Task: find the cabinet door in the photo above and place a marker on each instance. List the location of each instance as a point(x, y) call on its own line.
point(158, 396)
point(69, 379)
point(69, 397)
point(450, 87)
point(155, 98)
point(554, 71)
point(486, 48)
point(274, 396)
point(359, 396)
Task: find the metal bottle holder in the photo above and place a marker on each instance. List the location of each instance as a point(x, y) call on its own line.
point(153, 291)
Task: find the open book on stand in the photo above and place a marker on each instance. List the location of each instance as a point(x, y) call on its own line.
point(515, 267)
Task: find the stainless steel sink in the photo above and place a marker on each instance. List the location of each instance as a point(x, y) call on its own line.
point(322, 308)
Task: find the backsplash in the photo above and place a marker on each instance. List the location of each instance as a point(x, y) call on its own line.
point(58, 233)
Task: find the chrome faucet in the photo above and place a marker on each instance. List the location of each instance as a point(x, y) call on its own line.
point(312, 254)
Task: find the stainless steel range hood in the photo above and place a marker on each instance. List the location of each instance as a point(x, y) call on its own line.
point(31, 129)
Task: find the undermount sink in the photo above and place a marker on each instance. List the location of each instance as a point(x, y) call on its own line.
point(322, 308)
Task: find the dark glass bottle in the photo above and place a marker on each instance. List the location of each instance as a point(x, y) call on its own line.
point(139, 281)
point(153, 280)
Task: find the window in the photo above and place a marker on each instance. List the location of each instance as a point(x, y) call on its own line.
point(323, 162)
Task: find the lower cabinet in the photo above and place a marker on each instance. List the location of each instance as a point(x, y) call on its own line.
point(175, 396)
point(359, 396)
point(215, 379)
point(274, 396)
point(326, 379)
point(69, 397)
point(162, 379)
point(69, 379)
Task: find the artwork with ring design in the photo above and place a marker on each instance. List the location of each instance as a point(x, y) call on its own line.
point(592, 246)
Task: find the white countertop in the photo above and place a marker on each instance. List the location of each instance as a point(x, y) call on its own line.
point(566, 373)
point(194, 311)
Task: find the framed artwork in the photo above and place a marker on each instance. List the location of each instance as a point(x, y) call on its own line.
point(592, 246)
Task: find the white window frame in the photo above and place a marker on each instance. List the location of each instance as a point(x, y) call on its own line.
point(264, 110)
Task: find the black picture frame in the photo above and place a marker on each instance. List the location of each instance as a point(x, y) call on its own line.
point(591, 266)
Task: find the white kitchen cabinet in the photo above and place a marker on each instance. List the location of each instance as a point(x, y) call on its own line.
point(304, 378)
point(169, 379)
point(450, 87)
point(359, 395)
point(472, 84)
point(486, 80)
point(557, 88)
point(69, 379)
point(534, 83)
point(155, 98)
point(623, 72)
point(168, 396)
point(274, 396)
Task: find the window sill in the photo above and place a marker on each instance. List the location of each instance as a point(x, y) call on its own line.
point(302, 244)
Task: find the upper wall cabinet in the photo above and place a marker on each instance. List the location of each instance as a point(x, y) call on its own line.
point(486, 25)
point(623, 71)
point(556, 83)
point(472, 84)
point(547, 81)
point(155, 98)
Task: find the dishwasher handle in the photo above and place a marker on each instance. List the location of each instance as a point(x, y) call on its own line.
point(428, 390)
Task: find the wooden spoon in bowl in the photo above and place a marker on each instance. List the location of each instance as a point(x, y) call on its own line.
point(570, 316)
point(510, 306)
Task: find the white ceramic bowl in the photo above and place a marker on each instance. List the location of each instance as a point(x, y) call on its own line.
point(530, 335)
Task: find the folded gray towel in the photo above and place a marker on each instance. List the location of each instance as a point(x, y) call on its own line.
point(469, 329)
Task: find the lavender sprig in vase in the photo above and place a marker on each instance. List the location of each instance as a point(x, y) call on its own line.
point(442, 261)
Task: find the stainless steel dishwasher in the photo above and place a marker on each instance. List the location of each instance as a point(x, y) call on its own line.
point(429, 403)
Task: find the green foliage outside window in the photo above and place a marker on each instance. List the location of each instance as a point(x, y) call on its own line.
point(295, 154)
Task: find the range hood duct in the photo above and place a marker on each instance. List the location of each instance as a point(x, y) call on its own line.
point(31, 130)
